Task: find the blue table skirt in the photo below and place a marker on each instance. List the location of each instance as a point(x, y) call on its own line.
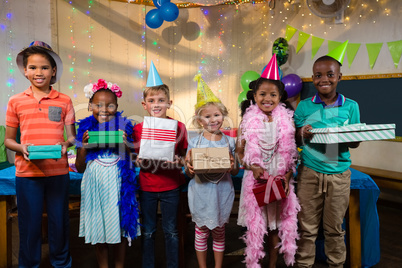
point(369, 193)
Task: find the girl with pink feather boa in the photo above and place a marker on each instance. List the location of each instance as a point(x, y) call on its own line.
point(266, 143)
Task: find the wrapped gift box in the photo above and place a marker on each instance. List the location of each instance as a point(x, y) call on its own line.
point(260, 188)
point(231, 132)
point(210, 160)
point(105, 137)
point(353, 132)
point(158, 139)
point(44, 152)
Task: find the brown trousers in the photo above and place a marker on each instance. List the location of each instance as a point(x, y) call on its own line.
point(322, 197)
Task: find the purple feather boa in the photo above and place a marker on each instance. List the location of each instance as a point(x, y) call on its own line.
point(253, 128)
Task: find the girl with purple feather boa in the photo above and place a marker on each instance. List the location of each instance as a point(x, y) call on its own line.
point(109, 213)
point(266, 144)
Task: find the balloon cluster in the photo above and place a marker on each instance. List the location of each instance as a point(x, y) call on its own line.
point(166, 11)
point(293, 83)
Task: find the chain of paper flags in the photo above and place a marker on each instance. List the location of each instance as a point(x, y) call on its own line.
point(373, 49)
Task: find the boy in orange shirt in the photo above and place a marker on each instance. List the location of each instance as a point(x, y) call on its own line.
point(41, 113)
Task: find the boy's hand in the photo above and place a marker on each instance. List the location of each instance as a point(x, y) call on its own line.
point(176, 163)
point(63, 147)
point(305, 132)
point(24, 150)
point(353, 144)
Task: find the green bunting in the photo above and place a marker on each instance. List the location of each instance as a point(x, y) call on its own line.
point(290, 31)
point(303, 37)
point(316, 43)
point(351, 50)
point(373, 50)
point(395, 48)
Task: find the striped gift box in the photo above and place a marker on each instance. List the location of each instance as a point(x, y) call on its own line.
point(158, 138)
point(353, 132)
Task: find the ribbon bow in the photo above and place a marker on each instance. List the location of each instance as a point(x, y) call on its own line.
point(271, 186)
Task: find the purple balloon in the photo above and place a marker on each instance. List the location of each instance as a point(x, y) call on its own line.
point(293, 84)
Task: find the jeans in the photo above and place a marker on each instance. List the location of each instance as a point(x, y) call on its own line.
point(31, 194)
point(169, 203)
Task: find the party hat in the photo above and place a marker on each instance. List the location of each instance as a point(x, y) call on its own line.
point(271, 71)
point(204, 93)
point(153, 77)
point(339, 52)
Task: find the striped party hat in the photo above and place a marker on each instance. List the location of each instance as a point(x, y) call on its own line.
point(271, 71)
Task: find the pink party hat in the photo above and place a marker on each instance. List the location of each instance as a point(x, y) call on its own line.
point(271, 71)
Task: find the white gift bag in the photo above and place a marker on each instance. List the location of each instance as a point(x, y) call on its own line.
point(158, 138)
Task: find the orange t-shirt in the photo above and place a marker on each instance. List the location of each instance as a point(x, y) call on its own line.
point(41, 123)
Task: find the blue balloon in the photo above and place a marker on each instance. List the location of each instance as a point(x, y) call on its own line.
point(153, 19)
point(169, 11)
point(159, 3)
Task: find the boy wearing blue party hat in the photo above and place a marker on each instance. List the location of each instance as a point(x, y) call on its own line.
point(160, 181)
point(323, 185)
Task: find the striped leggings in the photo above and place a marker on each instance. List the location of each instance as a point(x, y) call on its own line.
point(201, 238)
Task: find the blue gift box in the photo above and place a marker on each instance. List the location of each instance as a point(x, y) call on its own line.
point(44, 152)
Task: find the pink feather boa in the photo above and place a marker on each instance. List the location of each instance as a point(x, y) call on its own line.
point(252, 126)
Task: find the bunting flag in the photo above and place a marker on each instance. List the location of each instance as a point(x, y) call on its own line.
point(395, 48)
point(303, 37)
point(373, 50)
point(290, 31)
point(316, 43)
point(333, 44)
point(351, 50)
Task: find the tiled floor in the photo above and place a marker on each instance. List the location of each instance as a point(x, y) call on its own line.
point(84, 255)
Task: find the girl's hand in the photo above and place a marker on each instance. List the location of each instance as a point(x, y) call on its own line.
point(232, 162)
point(85, 144)
point(189, 169)
point(258, 171)
point(85, 137)
point(288, 176)
point(129, 146)
point(24, 150)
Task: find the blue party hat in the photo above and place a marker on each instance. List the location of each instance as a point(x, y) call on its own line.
point(153, 77)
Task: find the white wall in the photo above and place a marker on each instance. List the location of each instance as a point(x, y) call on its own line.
point(378, 154)
point(21, 22)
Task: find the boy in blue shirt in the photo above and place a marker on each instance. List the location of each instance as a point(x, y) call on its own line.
point(323, 186)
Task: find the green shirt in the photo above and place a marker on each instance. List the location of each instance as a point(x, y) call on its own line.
point(326, 158)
